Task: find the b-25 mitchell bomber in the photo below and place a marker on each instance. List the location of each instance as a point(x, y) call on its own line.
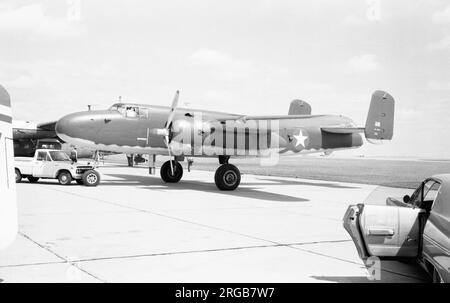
point(182, 132)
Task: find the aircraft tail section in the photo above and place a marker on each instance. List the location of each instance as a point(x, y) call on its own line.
point(380, 119)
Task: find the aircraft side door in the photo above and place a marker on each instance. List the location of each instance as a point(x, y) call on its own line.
point(384, 231)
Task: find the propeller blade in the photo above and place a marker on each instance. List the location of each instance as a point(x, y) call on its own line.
point(172, 109)
point(166, 131)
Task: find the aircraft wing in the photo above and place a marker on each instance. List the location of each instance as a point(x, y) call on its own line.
point(50, 126)
point(279, 117)
point(343, 130)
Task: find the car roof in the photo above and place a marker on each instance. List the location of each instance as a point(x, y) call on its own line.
point(442, 177)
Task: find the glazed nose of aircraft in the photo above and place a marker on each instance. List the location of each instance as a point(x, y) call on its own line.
point(80, 125)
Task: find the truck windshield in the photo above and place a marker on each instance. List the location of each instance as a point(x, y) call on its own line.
point(59, 156)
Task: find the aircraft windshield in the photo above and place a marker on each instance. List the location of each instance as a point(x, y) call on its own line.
point(59, 156)
point(130, 110)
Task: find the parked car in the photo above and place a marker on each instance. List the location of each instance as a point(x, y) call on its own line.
point(54, 164)
point(415, 227)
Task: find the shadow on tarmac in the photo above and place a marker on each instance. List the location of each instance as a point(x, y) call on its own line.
point(249, 190)
point(153, 182)
point(363, 279)
point(391, 271)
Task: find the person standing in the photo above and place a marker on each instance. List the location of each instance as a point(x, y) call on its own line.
point(74, 155)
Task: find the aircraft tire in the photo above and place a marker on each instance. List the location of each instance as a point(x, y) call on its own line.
point(91, 178)
point(18, 175)
point(166, 172)
point(227, 177)
point(64, 178)
point(33, 179)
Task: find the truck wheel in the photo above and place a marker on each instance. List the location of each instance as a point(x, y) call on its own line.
point(91, 178)
point(64, 178)
point(227, 177)
point(18, 175)
point(33, 179)
point(79, 181)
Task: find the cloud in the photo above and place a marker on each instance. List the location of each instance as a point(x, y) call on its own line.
point(364, 63)
point(354, 20)
point(442, 44)
point(438, 85)
point(220, 65)
point(33, 19)
point(408, 115)
point(442, 16)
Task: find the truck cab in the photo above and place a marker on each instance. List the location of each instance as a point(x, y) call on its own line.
point(54, 164)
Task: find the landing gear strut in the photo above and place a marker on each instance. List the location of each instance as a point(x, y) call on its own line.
point(224, 159)
point(227, 177)
point(166, 172)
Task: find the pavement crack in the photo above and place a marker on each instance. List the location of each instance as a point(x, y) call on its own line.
point(64, 260)
point(203, 251)
point(272, 243)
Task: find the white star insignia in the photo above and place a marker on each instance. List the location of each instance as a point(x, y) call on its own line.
point(300, 139)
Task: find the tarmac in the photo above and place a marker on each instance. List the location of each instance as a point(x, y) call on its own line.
point(135, 228)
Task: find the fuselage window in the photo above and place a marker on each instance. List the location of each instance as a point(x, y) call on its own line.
point(143, 113)
point(131, 111)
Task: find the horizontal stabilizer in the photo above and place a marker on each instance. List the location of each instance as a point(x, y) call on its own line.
point(343, 130)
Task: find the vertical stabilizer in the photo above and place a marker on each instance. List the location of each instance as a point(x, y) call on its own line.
point(380, 119)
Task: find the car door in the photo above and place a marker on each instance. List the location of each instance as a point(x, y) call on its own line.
point(436, 234)
point(384, 231)
point(50, 167)
point(39, 163)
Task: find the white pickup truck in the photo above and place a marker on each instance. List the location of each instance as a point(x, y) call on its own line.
point(54, 164)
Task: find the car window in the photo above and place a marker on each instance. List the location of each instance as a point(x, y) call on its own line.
point(431, 190)
point(41, 156)
point(59, 156)
point(416, 197)
point(47, 158)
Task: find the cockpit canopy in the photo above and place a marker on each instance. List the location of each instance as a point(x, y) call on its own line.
point(131, 110)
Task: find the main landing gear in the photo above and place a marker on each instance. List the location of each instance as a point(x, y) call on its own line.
point(227, 176)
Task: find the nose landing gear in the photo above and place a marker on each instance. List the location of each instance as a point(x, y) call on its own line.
point(166, 172)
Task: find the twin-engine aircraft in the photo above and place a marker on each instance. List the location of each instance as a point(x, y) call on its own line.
point(182, 132)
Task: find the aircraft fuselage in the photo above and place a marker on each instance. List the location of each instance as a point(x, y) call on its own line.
point(204, 133)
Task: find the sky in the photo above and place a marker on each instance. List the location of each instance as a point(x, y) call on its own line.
point(247, 57)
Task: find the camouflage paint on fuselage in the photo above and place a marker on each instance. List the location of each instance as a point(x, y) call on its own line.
point(113, 131)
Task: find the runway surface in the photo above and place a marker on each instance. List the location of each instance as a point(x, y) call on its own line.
point(135, 228)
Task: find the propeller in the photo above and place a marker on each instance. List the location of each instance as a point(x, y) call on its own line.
point(166, 130)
